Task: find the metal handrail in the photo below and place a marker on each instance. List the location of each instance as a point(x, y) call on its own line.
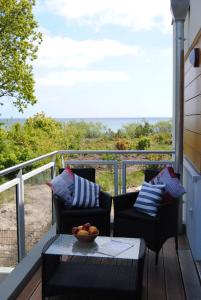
point(116, 151)
point(26, 163)
point(31, 161)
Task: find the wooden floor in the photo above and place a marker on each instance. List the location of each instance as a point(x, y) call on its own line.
point(174, 278)
point(163, 281)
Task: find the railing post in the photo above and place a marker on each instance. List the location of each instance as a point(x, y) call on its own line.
point(116, 178)
point(20, 217)
point(53, 173)
point(123, 177)
point(62, 161)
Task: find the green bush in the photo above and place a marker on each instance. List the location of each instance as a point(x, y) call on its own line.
point(143, 143)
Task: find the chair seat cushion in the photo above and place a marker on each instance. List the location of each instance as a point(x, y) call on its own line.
point(132, 213)
point(76, 212)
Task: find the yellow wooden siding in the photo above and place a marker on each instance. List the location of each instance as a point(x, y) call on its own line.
point(192, 111)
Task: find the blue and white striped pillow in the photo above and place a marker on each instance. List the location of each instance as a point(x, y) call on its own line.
point(149, 198)
point(86, 193)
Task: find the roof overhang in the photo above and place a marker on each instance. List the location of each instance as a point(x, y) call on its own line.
point(179, 9)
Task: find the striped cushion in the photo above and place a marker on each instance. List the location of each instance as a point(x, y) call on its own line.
point(149, 198)
point(86, 193)
point(63, 186)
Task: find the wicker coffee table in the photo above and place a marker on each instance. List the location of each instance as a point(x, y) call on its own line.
point(109, 267)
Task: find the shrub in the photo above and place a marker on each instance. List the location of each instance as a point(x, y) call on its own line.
point(143, 144)
point(122, 145)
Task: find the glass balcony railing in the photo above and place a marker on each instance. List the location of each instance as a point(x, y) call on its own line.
point(26, 201)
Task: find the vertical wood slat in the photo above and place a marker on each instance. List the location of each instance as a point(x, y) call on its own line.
point(173, 278)
point(156, 283)
point(145, 278)
point(37, 294)
point(31, 287)
point(190, 278)
point(183, 243)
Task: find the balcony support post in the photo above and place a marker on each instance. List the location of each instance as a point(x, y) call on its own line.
point(179, 10)
point(20, 217)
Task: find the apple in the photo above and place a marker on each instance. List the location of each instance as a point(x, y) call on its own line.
point(75, 230)
point(82, 232)
point(80, 227)
point(93, 230)
point(86, 226)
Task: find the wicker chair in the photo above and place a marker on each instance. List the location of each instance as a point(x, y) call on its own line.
point(128, 222)
point(100, 217)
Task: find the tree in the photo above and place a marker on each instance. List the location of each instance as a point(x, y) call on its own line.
point(144, 129)
point(19, 41)
point(163, 126)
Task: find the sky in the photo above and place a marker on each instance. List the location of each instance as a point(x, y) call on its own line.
point(102, 58)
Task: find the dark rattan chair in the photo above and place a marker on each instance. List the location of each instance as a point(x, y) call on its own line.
point(66, 218)
point(128, 222)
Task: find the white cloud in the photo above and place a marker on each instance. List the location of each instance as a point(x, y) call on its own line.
point(70, 78)
point(64, 52)
point(135, 14)
point(66, 62)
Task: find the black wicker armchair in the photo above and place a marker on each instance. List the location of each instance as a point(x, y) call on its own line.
point(66, 218)
point(128, 222)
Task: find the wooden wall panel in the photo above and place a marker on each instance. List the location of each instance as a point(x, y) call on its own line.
point(193, 140)
point(193, 123)
point(193, 156)
point(187, 67)
point(191, 75)
point(192, 108)
point(193, 89)
point(190, 72)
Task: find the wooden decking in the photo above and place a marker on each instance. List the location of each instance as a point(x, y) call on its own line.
point(165, 280)
point(174, 278)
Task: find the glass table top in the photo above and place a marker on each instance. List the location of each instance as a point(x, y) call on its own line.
point(113, 247)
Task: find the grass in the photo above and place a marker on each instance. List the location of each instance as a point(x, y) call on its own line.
point(7, 196)
point(106, 179)
point(134, 178)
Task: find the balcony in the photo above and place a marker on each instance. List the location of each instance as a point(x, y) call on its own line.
point(175, 277)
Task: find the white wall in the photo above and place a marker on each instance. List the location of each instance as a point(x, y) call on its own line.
point(192, 183)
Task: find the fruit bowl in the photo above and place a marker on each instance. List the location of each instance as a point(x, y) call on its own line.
point(85, 233)
point(86, 238)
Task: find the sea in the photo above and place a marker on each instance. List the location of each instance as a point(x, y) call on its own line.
point(113, 123)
